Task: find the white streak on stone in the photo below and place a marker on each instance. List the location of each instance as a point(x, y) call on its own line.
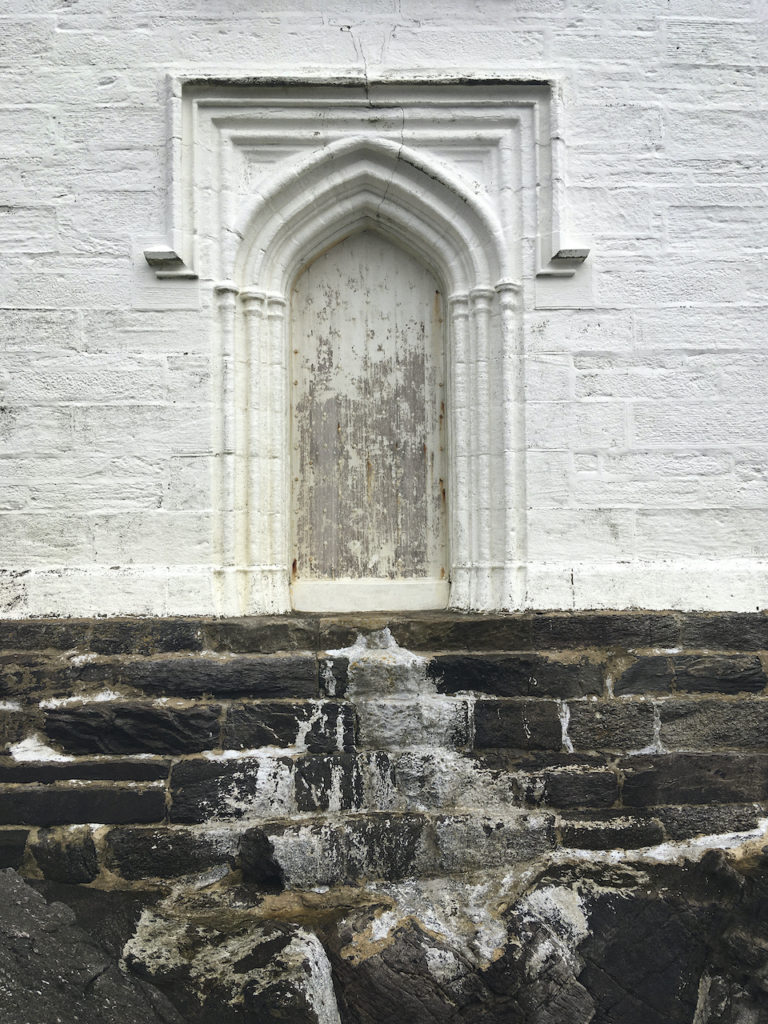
point(565, 717)
point(34, 748)
point(82, 698)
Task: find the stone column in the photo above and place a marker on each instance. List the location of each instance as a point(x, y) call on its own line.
point(223, 429)
point(460, 483)
point(480, 596)
point(513, 417)
point(278, 456)
point(250, 439)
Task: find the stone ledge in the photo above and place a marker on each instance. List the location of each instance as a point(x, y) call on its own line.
point(425, 631)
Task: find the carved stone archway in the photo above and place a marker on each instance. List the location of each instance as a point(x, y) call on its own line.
point(463, 177)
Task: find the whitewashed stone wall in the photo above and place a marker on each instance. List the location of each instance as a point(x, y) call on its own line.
point(645, 375)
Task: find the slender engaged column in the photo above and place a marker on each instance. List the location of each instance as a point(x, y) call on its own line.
point(222, 469)
point(459, 402)
point(480, 596)
point(278, 453)
point(515, 497)
point(249, 439)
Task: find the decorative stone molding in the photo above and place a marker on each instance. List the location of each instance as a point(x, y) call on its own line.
point(266, 177)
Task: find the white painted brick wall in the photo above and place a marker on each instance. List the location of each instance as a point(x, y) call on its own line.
point(647, 420)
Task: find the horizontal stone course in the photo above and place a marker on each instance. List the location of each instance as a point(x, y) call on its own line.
point(427, 631)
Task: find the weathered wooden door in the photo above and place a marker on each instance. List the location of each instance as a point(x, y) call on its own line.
point(368, 484)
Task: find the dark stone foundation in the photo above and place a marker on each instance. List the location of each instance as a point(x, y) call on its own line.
point(535, 818)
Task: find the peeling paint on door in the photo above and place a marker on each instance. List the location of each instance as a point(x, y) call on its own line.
point(368, 478)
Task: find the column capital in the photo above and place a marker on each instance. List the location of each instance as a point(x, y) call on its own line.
point(459, 303)
point(482, 294)
point(508, 287)
point(276, 304)
point(252, 300)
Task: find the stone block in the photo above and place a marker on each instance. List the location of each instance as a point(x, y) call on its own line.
point(146, 636)
point(518, 724)
point(516, 675)
point(261, 634)
point(12, 844)
point(44, 634)
point(75, 805)
point(719, 673)
point(66, 855)
point(745, 631)
point(428, 721)
point(574, 785)
point(321, 726)
point(292, 675)
point(117, 727)
point(647, 674)
point(705, 724)
point(328, 782)
point(464, 632)
point(475, 843)
point(687, 821)
point(682, 778)
point(388, 847)
point(35, 676)
point(610, 725)
point(137, 853)
point(611, 831)
point(607, 629)
point(228, 789)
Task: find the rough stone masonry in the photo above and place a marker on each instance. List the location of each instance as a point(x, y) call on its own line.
point(530, 818)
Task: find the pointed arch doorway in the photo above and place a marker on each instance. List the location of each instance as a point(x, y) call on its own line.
point(368, 469)
point(438, 233)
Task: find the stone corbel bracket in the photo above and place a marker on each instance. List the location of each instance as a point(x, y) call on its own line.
point(168, 264)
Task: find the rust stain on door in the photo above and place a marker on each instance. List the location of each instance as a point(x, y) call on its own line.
point(367, 432)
